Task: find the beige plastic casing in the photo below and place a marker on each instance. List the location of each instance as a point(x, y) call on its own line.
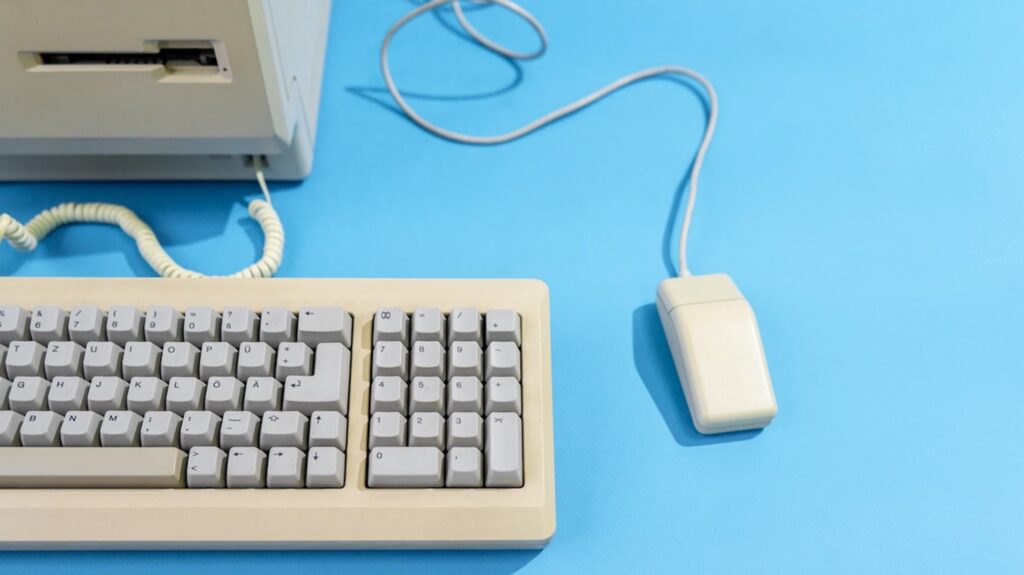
point(354, 516)
point(141, 122)
point(717, 349)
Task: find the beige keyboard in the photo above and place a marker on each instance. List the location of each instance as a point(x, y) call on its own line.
point(275, 413)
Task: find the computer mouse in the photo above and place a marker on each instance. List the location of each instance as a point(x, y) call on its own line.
point(717, 349)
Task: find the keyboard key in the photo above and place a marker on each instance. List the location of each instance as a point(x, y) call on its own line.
point(247, 468)
point(224, 394)
point(428, 360)
point(10, 428)
point(102, 359)
point(390, 358)
point(405, 467)
point(5, 390)
point(465, 430)
point(163, 324)
point(199, 428)
point(67, 394)
point(81, 429)
point(141, 359)
point(185, 394)
point(503, 325)
point(218, 359)
point(465, 394)
point(277, 325)
point(465, 467)
point(466, 359)
point(87, 323)
point(206, 467)
point(146, 394)
point(262, 394)
point(24, 358)
point(503, 446)
point(124, 324)
point(29, 394)
point(3, 361)
point(389, 394)
point(504, 394)
point(328, 429)
point(286, 468)
point(426, 430)
point(325, 468)
point(325, 325)
point(179, 359)
point(202, 324)
point(107, 394)
point(120, 429)
point(293, 358)
point(387, 429)
point(283, 429)
point(503, 361)
point(426, 394)
point(13, 324)
point(464, 325)
point(160, 429)
point(327, 388)
point(41, 429)
point(63, 358)
point(428, 324)
point(239, 429)
point(48, 323)
point(239, 325)
point(391, 324)
point(255, 359)
point(91, 467)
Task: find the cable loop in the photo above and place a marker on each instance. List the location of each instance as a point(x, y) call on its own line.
point(558, 114)
point(27, 237)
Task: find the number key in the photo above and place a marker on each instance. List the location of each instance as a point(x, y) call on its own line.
point(13, 324)
point(49, 323)
point(163, 324)
point(124, 324)
point(87, 323)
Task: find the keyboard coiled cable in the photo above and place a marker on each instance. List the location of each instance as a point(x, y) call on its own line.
point(26, 237)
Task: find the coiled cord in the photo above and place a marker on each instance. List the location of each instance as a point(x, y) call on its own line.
point(556, 115)
point(26, 237)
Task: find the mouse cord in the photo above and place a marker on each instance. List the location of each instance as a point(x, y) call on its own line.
point(560, 113)
point(27, 237)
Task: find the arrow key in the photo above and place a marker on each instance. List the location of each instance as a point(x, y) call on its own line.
point(325, 467)
point(247, 467)
point(286, 467)
point(327, 429)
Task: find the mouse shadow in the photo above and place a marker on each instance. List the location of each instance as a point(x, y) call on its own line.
point(653, 360)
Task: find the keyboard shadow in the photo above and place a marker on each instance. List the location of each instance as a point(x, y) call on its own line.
point(654, 365)
point(278, 562)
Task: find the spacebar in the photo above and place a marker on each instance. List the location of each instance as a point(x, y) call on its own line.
point(78, 467)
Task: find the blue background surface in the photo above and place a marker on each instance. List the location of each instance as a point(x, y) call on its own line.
point(864, 191)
